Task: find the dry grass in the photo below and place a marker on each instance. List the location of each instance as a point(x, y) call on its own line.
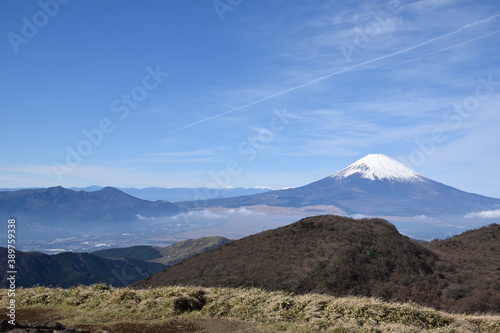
point(101, 306)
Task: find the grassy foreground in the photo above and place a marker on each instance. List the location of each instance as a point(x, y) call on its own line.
point(100, 305)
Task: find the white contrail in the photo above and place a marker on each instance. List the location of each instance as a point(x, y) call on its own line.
point(437, 51)
point(469, 25)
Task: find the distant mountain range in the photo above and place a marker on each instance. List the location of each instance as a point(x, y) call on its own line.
point(195, 193)
point(174, 194)
point(342, 256)
point(375, 185)
point(59, 206)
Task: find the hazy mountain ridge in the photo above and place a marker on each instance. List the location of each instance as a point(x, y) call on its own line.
point(59, 205)
point(168, 255)
point(138, 252)
point(172, 194)
point(118, 267)
point(195, 193)
point(70, 269)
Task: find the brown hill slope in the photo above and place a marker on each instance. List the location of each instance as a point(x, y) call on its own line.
point(324, 254)
point(474, 277)
point(177, 252)
point(169, 255)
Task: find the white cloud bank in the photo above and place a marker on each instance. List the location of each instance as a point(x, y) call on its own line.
point(205, 215)
point(485, 214)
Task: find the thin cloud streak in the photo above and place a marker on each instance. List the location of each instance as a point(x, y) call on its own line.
point(350, 68)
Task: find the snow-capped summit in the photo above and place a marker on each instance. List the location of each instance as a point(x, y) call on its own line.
point(262, 187)
point(375, 185)
point(379, 166)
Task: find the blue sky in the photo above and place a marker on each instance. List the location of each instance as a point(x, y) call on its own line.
point(245, 93)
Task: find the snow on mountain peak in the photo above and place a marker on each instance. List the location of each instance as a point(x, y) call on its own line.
point(262, 188)
point(379, 166)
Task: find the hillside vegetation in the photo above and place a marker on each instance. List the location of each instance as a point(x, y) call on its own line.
point(177, 252)
point(118, 267)
point(138, 252)
point(70, 269)
point(474, 276)
point(193, 309)
point(168, 255)
point(341, 256)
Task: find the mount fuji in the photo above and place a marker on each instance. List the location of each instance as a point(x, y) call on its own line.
point(375, 185)
point(379, 167)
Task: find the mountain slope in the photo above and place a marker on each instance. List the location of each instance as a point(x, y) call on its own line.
point(373, 185)
point(168, 255)
point(139, 252)
point(70, 269)
point(342, 256)
point(474, 282)
point(177, 252)
point(325, 254)
point(57, 204)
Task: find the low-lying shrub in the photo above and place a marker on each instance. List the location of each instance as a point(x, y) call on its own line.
point(276, 311)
